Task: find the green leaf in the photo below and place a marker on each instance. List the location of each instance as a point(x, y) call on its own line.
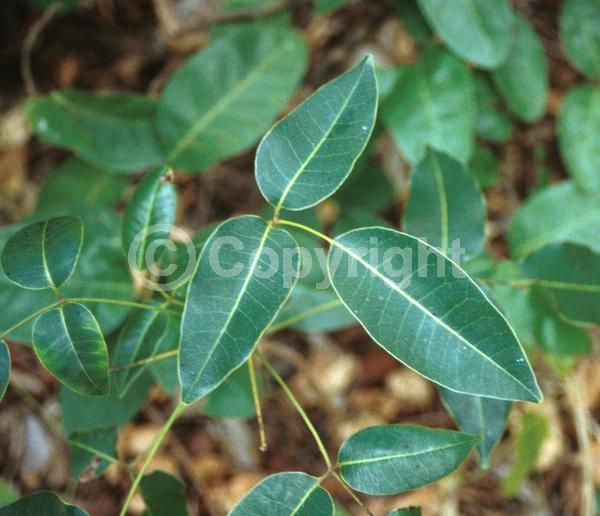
point(92, 452)
point(110, 130)
point(570, 273)
point(357, 218)
point(477, 30)
point(233, 398)
point(578, 129)
point(164, 494)
point(248, 76)
point(77, 181)
point(478, 416)
point(140, 338)
point(492, 122)
point(534, 430)
point(445, 205)
point(522, 79)
point(244, 274)
point(42, 503)
point(413, 21)
point(148, 218)
point(391, 459)
point(580, 35)
point(406, 511)
point(68, 342)
point(165, 371)
point(8, 494)
point(484, 167)
point(4, 368)
point(306, 156)
point(538, 221)
point(424, 310)
point(312, 309)
point(44, 254)
point(433, 104)
point(286, 494)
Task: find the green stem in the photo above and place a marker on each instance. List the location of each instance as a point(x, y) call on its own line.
point(131, 304)
point(155, 446)
point(306, 228)
point(269, 367)
point(144, 361)
point(29, 317)
point(256, 398)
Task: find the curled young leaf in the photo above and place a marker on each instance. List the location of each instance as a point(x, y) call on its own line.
point(306, 156)
point(245, 273)
point(68, 342)
point(391, 459)
point(286, 494)
point(43, 254)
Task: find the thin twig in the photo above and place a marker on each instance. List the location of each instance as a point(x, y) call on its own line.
point(256, 397)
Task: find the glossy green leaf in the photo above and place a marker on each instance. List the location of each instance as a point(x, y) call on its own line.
point(433, 105)
point(77, 181)
point(580, 35)
point(110, 130)
point(164, 494)
point(522, 79)
point(534, 430)
point(478, 30)
point(484, 167)
point(42, 503)
point(557, 213)
point(44, 254)
point(306, 156)
point(424, 310)
point(92, 452)
point(478, 416)
point(140, 338)
point(570, 273)
point(241, 280)
point(148, 218)
point(492, 122)
point(445, 206)
point(286, 494)
point(247, 77)
point(4, 367)
point(578, 128)
point(391, 459)
point(312, 309)
point(68, 342)
point(233, 398)
point(406, 511)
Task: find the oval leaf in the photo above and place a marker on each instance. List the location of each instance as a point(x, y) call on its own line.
point(478, 30)
point(433, 104)
point(391, 459)
point(445, 206)
point(164, 494)
point(4, 367)
point(580, 34)
point(522, 79)
point(285, 494)
point(493, 123)
point(245, 273)
point(306, 156)
point(92, 452)
point(69, 343)
point(247, 77)
point(111, 130)
point(233, 398)
point(579, 135)
point(424, 310)
point(43, 503)
point(478, 416)
point(149, 216)
point(44, 254)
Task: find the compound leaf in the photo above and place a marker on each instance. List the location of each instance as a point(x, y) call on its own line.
point(149, 215)
point(477, 30)
point(43, 254)
point(110, 130)
point(424, 310)
point(245, 273)
point(445, 205)
point(306, 156)
point(247, 77)
point(391, 459)
point(286, 494)
point(68, 342)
